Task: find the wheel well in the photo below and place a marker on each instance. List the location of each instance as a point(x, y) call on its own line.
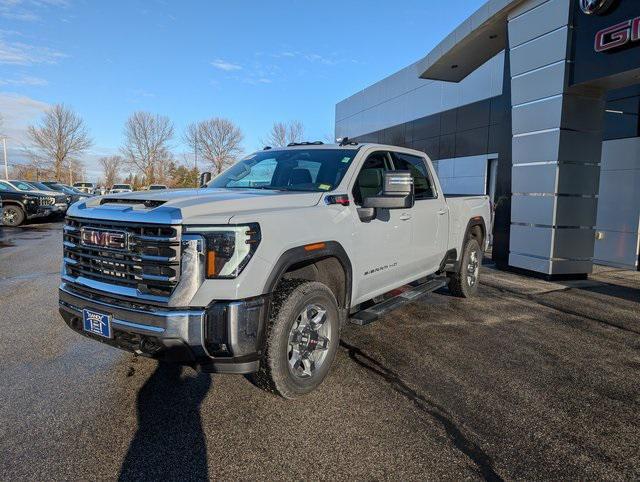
point(476, 231)
point(328, 271)
point(12, 203)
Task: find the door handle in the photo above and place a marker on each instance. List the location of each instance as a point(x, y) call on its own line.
point(405, 216)
point(442, 213)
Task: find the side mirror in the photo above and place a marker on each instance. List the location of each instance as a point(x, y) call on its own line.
point(397, 192)
point(205, 177)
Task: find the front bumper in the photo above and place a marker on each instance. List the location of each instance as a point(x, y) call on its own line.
point(226, 337)
point(40, 211)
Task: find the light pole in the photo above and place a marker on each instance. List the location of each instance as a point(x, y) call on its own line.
point(6, 166)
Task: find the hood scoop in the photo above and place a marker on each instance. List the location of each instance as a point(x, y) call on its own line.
point(147, 203)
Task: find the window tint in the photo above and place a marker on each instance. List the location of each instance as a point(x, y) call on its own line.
point(370, 179)
point(312, 170)
point(418, 168)
point(4, 187)
point(260, 174)
point(23, 186)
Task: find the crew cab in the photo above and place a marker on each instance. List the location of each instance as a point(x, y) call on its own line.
point(256, 272)
point(17, 206)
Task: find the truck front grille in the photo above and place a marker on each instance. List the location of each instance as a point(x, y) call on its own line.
point(47, 201)
point(141, 256)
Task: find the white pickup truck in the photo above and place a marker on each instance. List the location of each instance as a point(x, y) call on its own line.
point(256, 272)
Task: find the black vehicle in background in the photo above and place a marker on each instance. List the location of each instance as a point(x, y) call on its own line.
point(74, 194)
point(61, 201)
point(18, 206)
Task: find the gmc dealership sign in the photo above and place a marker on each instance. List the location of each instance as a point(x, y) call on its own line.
point(618, 35)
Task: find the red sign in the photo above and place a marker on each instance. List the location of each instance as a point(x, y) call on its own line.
point(618, 35)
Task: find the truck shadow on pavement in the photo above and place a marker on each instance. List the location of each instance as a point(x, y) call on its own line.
point(170, 443)
point(463, 443)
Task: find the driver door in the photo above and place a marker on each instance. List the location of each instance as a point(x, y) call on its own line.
point(382, 246)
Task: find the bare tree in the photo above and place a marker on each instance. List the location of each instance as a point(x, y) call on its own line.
point(192, 139)
point(60, 138)
point(146, 142)
point(283, 133)
point(111, 169)
point(217, 140)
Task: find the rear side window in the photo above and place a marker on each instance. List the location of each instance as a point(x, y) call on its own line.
point(418, 168)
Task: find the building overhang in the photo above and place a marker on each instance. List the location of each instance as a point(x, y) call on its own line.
point(476, 40)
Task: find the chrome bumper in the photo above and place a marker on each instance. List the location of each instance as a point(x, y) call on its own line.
point(177, 335)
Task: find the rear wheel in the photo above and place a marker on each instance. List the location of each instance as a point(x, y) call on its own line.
point(12, 216)
point(464, 282)
point(302, 339)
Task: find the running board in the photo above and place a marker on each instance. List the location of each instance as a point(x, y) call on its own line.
point(372, 314)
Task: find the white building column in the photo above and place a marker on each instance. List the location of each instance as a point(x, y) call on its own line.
point(557, 144)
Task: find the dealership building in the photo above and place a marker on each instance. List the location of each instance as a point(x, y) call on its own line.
point(535, 103)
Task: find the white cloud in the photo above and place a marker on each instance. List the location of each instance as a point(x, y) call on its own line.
point(226, 66)
point(19, 53)
point(25, 80)
point(18, 112)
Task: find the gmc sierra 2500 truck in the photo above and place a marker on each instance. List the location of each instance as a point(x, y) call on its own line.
point(256, 272)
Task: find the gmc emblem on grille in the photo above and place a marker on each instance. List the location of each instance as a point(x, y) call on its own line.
point(104, 239)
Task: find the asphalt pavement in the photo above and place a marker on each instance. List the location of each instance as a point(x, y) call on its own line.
point(530, 380)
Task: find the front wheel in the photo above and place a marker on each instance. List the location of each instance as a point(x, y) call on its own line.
point(13, 216)
point(464, 283)
point(302, 339)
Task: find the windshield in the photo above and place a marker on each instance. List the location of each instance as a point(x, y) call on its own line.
point(156, 187)
point(312, 170)
point(83, 184)
point(23, 186)
point(39, 185)
point(121, 186)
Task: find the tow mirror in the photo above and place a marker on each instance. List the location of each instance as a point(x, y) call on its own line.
point(205, 177)
point(397, 192)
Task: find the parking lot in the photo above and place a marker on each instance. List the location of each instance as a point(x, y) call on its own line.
point(529, 380)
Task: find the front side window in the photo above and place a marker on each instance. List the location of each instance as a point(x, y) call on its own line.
point(310, 170)
point(418, 169)
point(5, 187)
point(370, 180)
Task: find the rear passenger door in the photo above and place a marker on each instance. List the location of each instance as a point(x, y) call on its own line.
point(430, 226)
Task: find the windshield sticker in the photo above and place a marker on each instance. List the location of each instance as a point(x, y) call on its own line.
point(346, 159)
point(324, 187)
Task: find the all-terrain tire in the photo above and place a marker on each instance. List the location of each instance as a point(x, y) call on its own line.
point(289, 300)
point(464, 282)
point(13, 216)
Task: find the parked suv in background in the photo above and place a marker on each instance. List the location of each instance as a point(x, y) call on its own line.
point(61, 203)
point(118, 188)
point(18, 206)
point(73, 193)
point(257, 272)
point(87, 187)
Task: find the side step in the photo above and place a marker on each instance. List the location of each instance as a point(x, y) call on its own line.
point(372, 314)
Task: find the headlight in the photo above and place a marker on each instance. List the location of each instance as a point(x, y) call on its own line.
point(227, 249)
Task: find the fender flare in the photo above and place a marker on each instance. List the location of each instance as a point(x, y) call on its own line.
point(473, 222)
point(299, 254)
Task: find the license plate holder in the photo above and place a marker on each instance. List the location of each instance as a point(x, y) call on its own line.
point(97, 323)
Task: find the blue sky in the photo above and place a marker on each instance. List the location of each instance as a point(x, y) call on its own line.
point(253, 62)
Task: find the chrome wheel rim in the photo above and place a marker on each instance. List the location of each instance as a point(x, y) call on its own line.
point(473, 268)
point(9, 216)
point(309, 340)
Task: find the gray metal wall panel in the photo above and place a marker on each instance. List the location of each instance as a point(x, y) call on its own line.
point(537, 116)
point(538, 84)
point(545, 50)
point(542, 19)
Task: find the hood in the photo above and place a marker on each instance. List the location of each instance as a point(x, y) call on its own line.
point(193, 206)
